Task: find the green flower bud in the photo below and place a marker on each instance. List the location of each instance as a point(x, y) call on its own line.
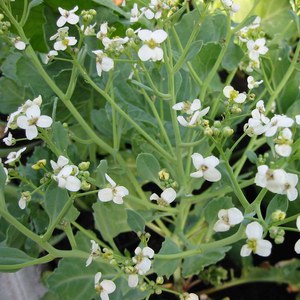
point(227, 131)
point(83, 166)
point(252, 96)
point(130, 33)
point(85, 185)
point(208, 131)
point(158, 291)
point(278, 215)
point(217, 124)
point(279, 240)
point(159, 280)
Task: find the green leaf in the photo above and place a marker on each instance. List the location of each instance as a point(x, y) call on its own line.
point(110, 219)
point(279, 202)
point(232, 57)
point(251, 155)
point(166, 267)
point(112, 6)
point(135, 221)
point(13, 256)
point(147, 167)
point(195, 264)
point(194, 50)
point(100, 173)
point(12, 95)
point(72, 280)
point(55, 199)
point(60, 137)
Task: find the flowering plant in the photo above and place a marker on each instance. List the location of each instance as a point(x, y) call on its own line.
point(159, 139)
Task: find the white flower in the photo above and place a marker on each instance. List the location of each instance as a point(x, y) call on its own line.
point(297, 119)
point(151, 50)
point(19, 44)
point(227, 219)
point(32, 120)
point(14, 156)
point(231, 6)
point(134, 13)
point(291, 181)
point(103, 31)
point(61, 162)
point(103, 63)
point(256, 48)
point(191, 296)
point(233, 95)
point(252, 83)
point(11, 121)
point(255, 243)
point(187, 107)
point(9, 140)
point(155, 9)
point(114, 44)
point(297, 245)
point(67, 180)
point(67, 16)
point(25, 198)
point(166, 197)
point(88, 30)
point(46, 58)
point(142, 259)
point(95, 252)
point(283, 143)
point(62, 39)
point(278, 121)
point(105, 287)
point(114, 193)
point(206, 167)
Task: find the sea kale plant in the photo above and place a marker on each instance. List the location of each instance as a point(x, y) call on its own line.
point(146, 143)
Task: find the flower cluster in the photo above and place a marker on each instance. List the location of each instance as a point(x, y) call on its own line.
point(193, 112)
point(278, 124)
point(65, 174)
point(277, 181)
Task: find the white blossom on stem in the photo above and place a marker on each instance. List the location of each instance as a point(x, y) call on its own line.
point(12, 157)
point(252, 83)
point(152, 40)
point(206, 167)
point(103, 31)
point(9, 140)
point(103, 63)
point(67, 179)
point(62, 39)
point(19, 44)
point(61, 162)
point(277, 122)
point(166, 197)
point(113, 193)
point(227, 219)
point(283, 143)
point(255, 241)
point(142, 259)
point(256, 48)
point(32, 120)
point(67, 16)
point(104, 287)
point(46, 58)
point(233, 95)
point(95, 252)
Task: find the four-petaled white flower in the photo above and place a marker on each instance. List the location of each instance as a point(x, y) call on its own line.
point(95, 252)
point(206, 167)
point(114, 193)
point(9, 140)
point(61, 162)
point(252, 83)
point(88, 30)
point(278, 121)
point(227, 219)
point(283, 143)
point(103, 31)
point(32, 120)
point(62, 39)
point(67, 180)
point(255, 241)
point(297, 245)
point(142, 259)
point(67, 16)
point(19, 44)
point(46, 58)
point(257, 48)
point(166, 197)
point(114, 44)
point(134, 13)
point(231, 6)
point(151, 50)
point(14, 156)
point(105, 287)
point(233, 95)
point(103, 63)
point(191, 296)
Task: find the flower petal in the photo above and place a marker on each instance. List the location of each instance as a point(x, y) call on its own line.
point(105, 195)
point(31, 132)
point(145, 53)
point(159, 36)
point(108, 285)
point(44, 122)
point(263, 248)
point(245, 251)
point(168, 195)
point(254, 231)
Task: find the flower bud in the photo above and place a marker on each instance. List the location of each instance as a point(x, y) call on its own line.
point(217, 124)
point(39, 164)
point(130, 33)
point(163, 175)
point(227, 131)
point(252, 96)
point(92, 12)
point(208, 131)
point(85, 185)
point(159, 280)
point(158, 291)
point(83, 166)
point(279, 240)
point(143, 287)
point(278, 215)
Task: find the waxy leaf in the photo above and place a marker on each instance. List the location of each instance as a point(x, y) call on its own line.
point(148, 167)
point(135, 221)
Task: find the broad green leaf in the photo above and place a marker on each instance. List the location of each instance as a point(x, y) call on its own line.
point(13, 256)
point(9, 66)
point(147, 167)
point(279, 202)
point(135, 221)
point(60, 137)
point(12, 95)
point(251, 155)
point(72, 280)
point(55, 199)
point(166, 267)
point(112, 6)
point(194, 50)
point(110, 219)
point(232, 57)
point(101, 122)
point(195, 264)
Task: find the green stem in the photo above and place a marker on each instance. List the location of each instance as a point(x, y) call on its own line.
point(69, 232)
